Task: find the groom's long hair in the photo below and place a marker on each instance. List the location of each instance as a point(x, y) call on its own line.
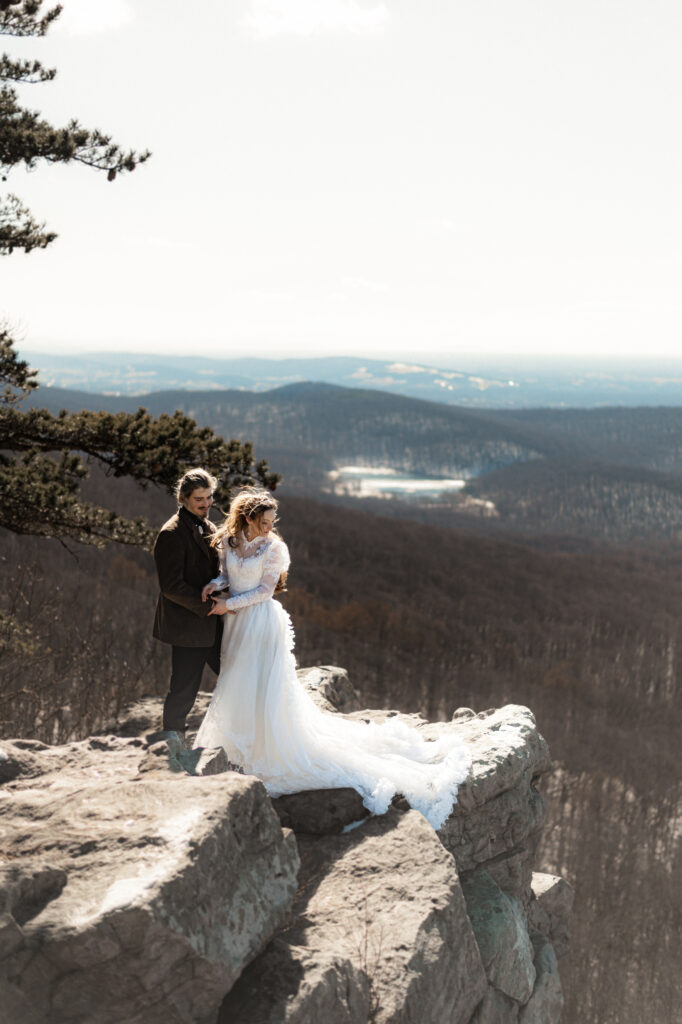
point(251, 503)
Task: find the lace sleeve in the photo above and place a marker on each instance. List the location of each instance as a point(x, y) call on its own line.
point(275, 562)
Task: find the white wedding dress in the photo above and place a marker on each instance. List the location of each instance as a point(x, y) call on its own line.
point(267, 722)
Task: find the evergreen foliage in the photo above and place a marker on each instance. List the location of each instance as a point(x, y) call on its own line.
point(42, 462)
point(16, 377)
point(26, 138)
point(43, 457)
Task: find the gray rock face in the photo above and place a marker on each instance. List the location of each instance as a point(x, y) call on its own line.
point(212, 762)
point(20, 759)
point(500, 812)
point(140, 884)
point(324, 812)
point(547, 1001)
point(330, 688)
point(550, 911)
point(524, 983)
point(381, 933)
point(497, 1008)
point(492, 834)
point(131, 897)
point(500, 928)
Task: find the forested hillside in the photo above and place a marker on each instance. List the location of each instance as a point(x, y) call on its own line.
point(645, 436)
point(429, 620)
point(586, 498)
point(567, 597)
point(607, 475)
point(309, 428)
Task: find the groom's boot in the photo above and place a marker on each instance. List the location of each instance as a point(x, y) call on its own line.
point(175, 740)
point(181, 756)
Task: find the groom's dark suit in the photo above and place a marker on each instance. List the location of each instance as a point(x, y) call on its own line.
point(185, 562)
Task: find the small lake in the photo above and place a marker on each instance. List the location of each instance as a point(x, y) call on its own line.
point(383, 482)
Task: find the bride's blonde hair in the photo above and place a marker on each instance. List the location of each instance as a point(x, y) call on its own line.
point(250, 503)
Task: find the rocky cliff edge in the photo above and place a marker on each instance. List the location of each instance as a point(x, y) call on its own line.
point(139, 889)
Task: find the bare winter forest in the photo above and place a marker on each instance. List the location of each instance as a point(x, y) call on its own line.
point(568, 601)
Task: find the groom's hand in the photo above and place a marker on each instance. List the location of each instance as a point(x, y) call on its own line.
point(220, 607)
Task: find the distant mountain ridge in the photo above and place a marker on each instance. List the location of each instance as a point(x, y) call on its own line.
point(308, 429)
point(124, 373)
point(610, 473)
point(401, 429)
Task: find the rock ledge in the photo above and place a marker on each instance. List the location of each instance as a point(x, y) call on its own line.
point(135, 893)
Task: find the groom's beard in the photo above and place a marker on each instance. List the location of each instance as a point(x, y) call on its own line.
point(201, 524)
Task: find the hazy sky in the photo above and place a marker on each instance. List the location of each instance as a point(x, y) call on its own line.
point(399, 178)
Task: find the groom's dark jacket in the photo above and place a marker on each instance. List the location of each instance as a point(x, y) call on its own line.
point(185, 563)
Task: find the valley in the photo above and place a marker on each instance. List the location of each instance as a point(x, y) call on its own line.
point(548, 574)
point(608, 475)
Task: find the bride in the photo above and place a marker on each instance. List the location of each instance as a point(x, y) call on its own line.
point(266, 721)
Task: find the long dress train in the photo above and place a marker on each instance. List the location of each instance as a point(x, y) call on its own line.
point(267, 723)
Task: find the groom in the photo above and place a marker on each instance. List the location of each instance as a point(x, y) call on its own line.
point(185, 562)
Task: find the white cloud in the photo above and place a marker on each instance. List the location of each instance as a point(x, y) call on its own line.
point(363, 284)
point(312, 17)
point(269, 296)
point(159, 242)
point(406, 368)
point(89, 17)
point(440, 226)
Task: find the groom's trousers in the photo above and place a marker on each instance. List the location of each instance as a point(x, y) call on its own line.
point(186, 672)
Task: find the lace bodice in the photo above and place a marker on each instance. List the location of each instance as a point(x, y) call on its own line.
point(252, 569)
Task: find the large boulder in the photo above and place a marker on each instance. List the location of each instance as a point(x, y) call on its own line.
point(499, 925)
point(496, 1008)
point(380, 933)
point(550, 910)
point(547, 1000)
point(500, 811)
point(521, 967)
point(130, 897)
point(330, 688)
point(323, 812)
point(379, 929)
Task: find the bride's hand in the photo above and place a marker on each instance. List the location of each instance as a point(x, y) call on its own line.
point(210, 588)
point(220, 607)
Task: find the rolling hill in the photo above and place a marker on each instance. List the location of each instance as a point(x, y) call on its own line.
point(608, 474)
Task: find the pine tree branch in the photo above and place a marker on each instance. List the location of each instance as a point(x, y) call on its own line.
point(26, 138)
point(22, 18)
point(19, 230)
point(135, 444)
point(15, 374)
point(42, 468)
point(28, 71)
point(41, 498)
